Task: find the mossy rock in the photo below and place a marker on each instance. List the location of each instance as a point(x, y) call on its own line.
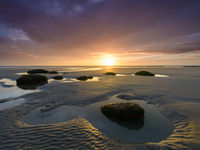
point(84, 78)
point(144, 73)
point(58, 77)
point(30, 86)
point(123, 111)
point(34, 71)
point(110, 73)
point(31, 79)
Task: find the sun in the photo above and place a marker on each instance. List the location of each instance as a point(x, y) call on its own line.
point(108, 61)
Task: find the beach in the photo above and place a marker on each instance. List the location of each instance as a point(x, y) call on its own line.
point(74, 121)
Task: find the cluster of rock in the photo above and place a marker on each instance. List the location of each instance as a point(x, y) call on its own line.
point(34, 79)
point(139, 73)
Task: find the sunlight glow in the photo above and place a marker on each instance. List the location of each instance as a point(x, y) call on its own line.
point(108, 61)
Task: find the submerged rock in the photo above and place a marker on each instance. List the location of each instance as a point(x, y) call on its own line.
point(110, 73)
point(34, 71)
point(58, 77)
point(31, 79)
point(46, 108)
point(123, 111)
point(144, 73)
point(84, 78)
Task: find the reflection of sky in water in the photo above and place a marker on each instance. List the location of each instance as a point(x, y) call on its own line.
point(5, 81)
point(158, 75)
point(155, 126)
point(121, 75)
point(74, 80)
point(22, 73)
point(161, 76)
point(13, 91)
point(77, 69)
point(12, 103)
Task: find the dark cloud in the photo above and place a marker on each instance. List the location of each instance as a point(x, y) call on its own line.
point(92, 25)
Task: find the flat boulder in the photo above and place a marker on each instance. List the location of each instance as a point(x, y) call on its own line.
point(84, 78)
point(58, 77)
point(31, 79)
point(144, 73)
point(34, 71)
point(110, 73)
point(123, 111)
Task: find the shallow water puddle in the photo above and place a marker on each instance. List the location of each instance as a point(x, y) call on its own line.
point(12, 103)
point(8, 93)
point(153, 128)
point(74, 80)
point(120, 75)
point(8, 89)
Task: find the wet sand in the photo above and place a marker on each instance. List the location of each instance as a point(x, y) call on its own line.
point(177, 97)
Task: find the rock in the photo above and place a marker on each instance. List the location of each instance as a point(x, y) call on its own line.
point(84, 78)
point(58, 77)
point(46, 108)
point(34, 71)
point(144, 73)
point(31, 79)
point(110, 73)
point(123, 111)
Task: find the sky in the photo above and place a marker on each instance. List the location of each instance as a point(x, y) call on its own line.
point(86, 32)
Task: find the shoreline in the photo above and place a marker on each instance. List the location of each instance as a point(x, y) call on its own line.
point(83, 93)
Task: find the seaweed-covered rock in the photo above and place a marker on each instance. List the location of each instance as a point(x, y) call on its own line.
point(110, 73)
point(31, 79)
point(34, 71)
point(123, 111)
point(58, 77)
point(84, 78)
point(144, 73)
